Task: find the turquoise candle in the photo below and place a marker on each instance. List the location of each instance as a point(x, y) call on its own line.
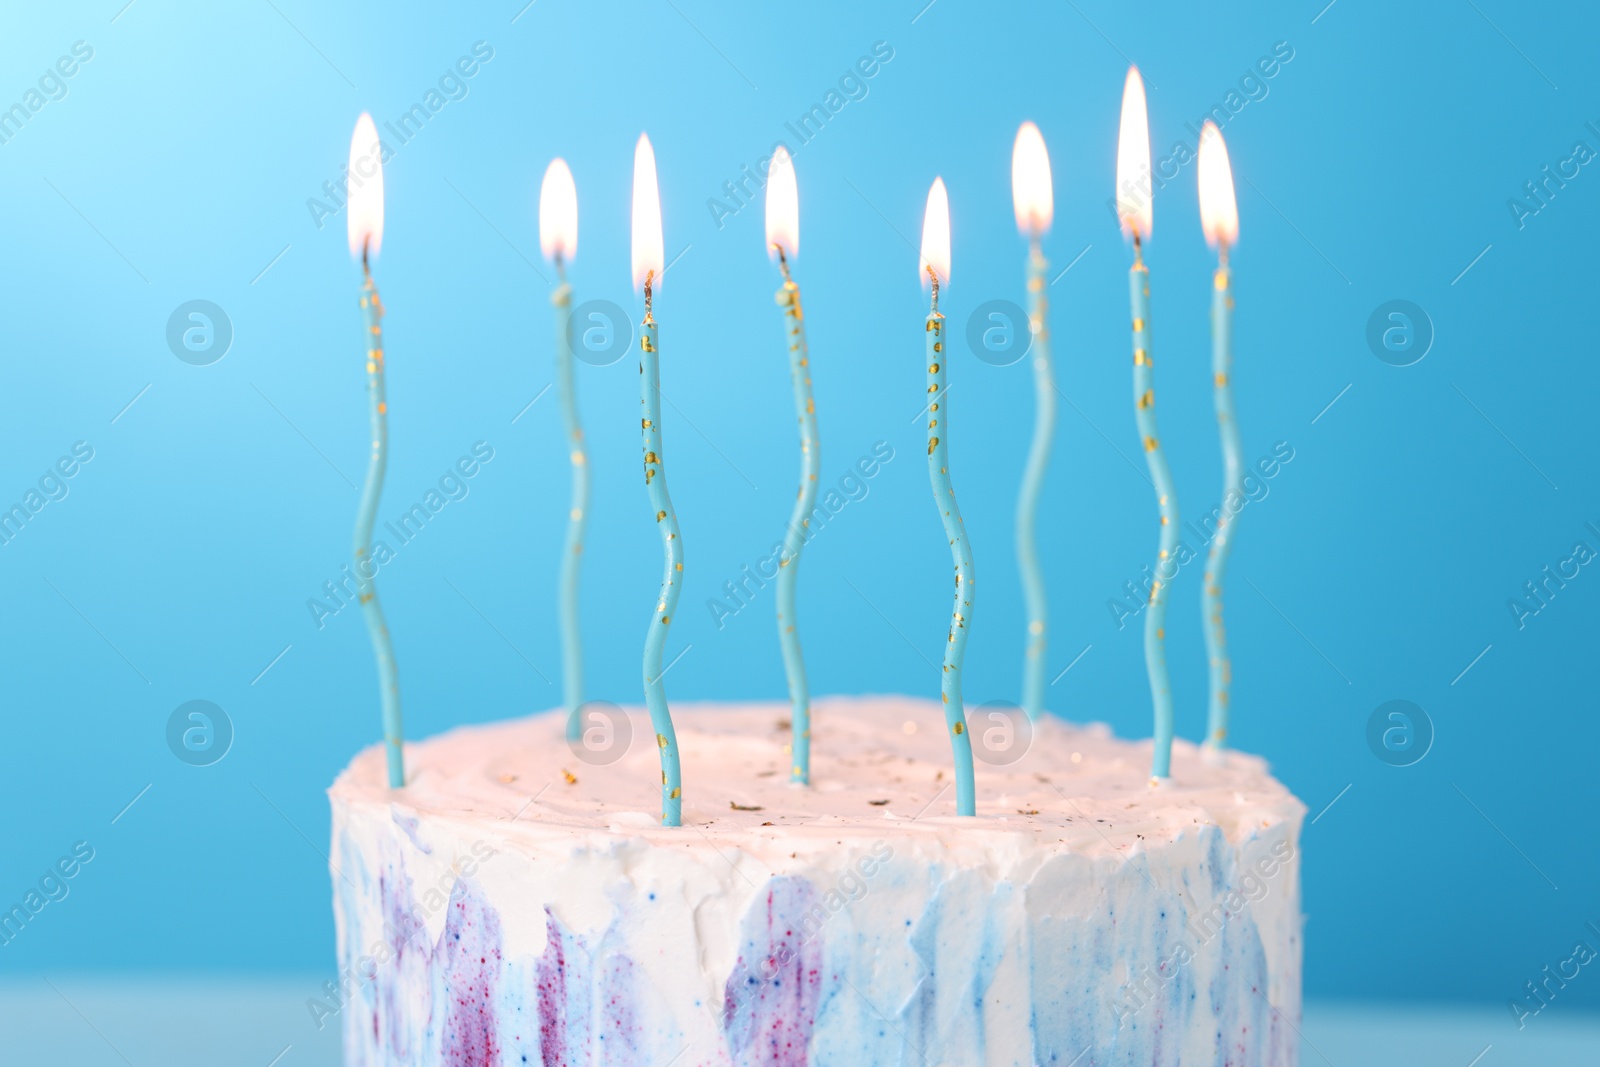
point(1134, 189)
point(1155, 618)
point(558, 238)
point(1219, 218)
point(577, 515)
point(365, 220)
point(647, 259)
point(1031, 196)
point(794, 537)
point(1221, 669)
point(1044, 422)
point(655, 642)
point(783, 237)
point(936, 261)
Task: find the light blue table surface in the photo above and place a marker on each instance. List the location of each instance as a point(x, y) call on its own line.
point(254, 1022)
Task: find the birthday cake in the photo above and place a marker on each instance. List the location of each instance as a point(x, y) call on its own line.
point(518, 904)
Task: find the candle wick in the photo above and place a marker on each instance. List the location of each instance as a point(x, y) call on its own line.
point(366, 245)
point(783, 262)
point(561, 268)
point(1138, 253)
point(649, 276)
point(1222, 254)
point(933, 277)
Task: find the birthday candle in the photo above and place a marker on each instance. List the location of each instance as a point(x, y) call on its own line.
point(365, 221)
point(783, 240)
point(1219, 217)
point(934, 268)
point(1133, 209)
point(558, 240)
point(647, 264)
point(1031, 197)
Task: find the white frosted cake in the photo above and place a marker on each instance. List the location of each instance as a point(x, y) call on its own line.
point(514, 905)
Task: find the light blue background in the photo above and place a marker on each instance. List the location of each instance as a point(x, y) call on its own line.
point(179, 164)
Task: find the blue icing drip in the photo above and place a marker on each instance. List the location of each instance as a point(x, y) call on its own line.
point(409, 824)
point(1134, 929)
point(943, 1019)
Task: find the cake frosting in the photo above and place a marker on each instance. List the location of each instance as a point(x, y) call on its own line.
point(518, 904)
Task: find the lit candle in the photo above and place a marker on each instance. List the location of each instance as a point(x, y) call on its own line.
point(1219, 217)
point(364, 214)
point(647, 265)
point(558, 240)
point(934, 270)
point(1133, 208)
point(783, 241)
point(1032, 197)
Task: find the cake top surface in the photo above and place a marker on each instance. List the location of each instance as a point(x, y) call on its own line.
point(880, 765)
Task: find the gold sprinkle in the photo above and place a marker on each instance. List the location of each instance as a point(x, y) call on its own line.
point(960, 728)
point(933, 368)
point(660, 515)
point(676, 793)
point(1221, 379)
point(745, 807)
point(1150, 444)
point(666, 620)
point(661, 739)
point(571, 778)
point(1138, 325)
point(932, 443)
point(1147, 399)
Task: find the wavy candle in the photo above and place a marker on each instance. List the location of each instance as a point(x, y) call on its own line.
point(364, 215)
point(1219, 217)
point(558, 240)
point(783, 241)
point(647, 265)
point(934, 268)
point(1134, 210)
point(1031, 195)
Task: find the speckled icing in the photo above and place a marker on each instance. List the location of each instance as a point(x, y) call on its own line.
point(495, 913)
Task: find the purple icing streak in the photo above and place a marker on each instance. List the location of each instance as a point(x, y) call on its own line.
point(472, 965)
point(564, 988)
point(771, 999)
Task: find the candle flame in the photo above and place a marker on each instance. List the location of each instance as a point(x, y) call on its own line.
point(936, 235)
point(364, 189)
point(1031, 193)
point(1134, 186)
point(647, 248)
point(783, 205)
point(558, 213)
point(1219, 210)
